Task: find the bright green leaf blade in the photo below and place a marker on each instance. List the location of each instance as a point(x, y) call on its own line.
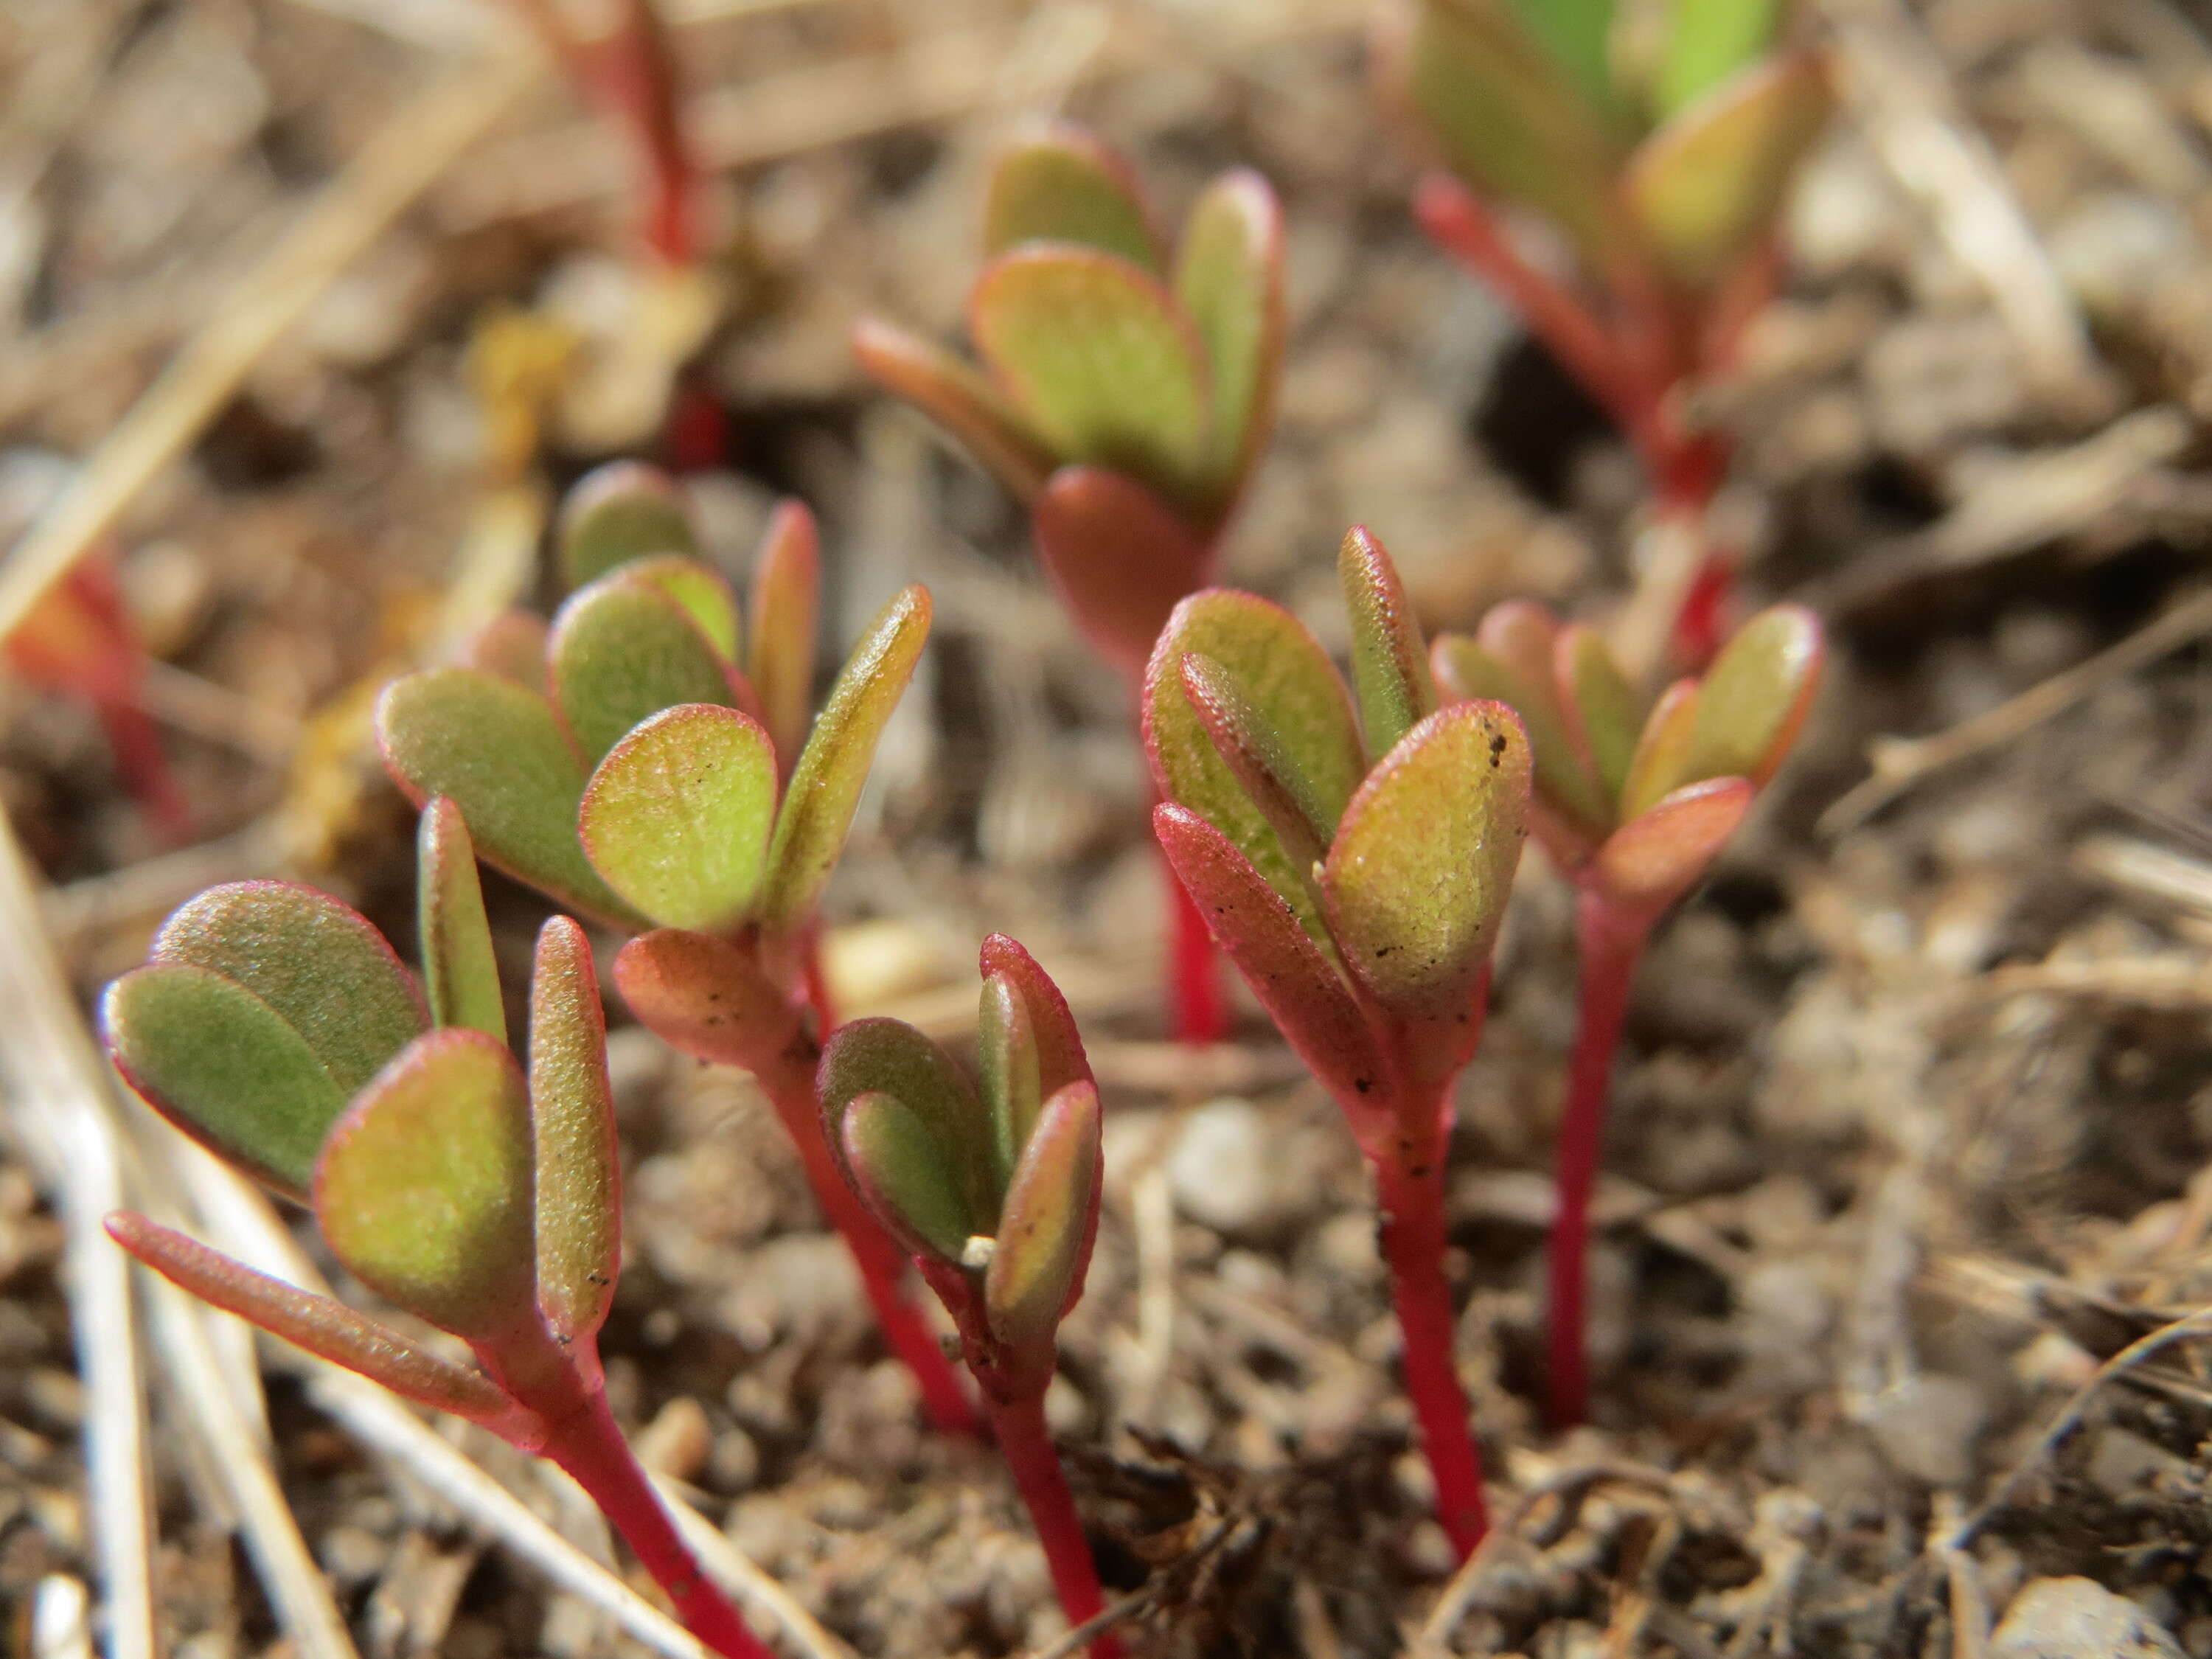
point(833, 768)
point(223, 1066)
point(327, 972)
point(975, 412)
point(622, 651)
point(1389, 664)
point(1048, 1224)
point(1661, 764)
point(1229, 279)
point(1578, 33)
point(1254, 752)
point(1755, 697)
point(1707, 187)
point(785, 612)
point(1290, 681)
point(1659, 855)
point(1707, 42)
point(459, 968)
point(1006, 1061)
point(705, 997)
point(1419, 875)
point(676, 818)
point(622, 511)
point(700, 590)
point(1062, 184)
point(578, 1184)
point(1598, 703)
point(886, 1056)
point(499, 752)
point(905, 1177)
point(1098, 356)
point(1060, 1059)
point(1119, 558)
point(423, 1188)
point(1510, 660)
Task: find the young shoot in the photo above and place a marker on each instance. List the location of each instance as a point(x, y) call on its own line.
point(1353, 861)
point(994, 1187)
point(478, 1192)
point(1633, 805)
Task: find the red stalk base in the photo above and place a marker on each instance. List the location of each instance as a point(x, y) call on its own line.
point(1027, 1446)
point(1412, 1201)
point(1609, 944)
point(1201, 1010)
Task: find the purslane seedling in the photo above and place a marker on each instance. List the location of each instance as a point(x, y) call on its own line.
point(1633, 805)
point(621, 763)
point(1354, 863)
point(1661, 143)
point(994, 1190)
point(1126, 393)
point(479, 1193)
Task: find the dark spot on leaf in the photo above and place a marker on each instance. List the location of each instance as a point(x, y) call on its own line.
point(1362, 1084)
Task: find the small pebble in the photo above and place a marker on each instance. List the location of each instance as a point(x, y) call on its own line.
point(2078, 1618)
point(1926, 1426)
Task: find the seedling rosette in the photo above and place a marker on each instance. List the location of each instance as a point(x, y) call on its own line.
point(478, 1192)
point(1633, 805)
point(1124, 395)
point(621, 762)
point(1353, 861)
point(1662, 155)
point(994, 1186)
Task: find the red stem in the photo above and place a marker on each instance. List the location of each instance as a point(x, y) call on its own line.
point(1027, 1446)
point(1200, 1009)
point(591, 1448)
point(1609, 944)
point(816, 984)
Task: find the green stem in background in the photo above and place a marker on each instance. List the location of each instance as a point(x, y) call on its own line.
point(1026, 1444)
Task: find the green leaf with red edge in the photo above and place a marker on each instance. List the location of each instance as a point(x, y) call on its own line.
point(985, 421)
point(1578, 33)
point(423, 1188)
point(1598, 704)
point(1008, 1068)
point(1659, 855)
point(1060, 1059)
point(1418, 876)
point(621, 651)
point(903, 1174)
point(323, 1326)
point(1101, 360)
point(320, 964)
point(1389, 665)
point(676, 818)
point(226, 1068)
point(1707, 187)
point(511, 645)
point(577, 1183)
point(1754, 699)
point(887, 1056)
point(1047, 1222)
point(1290, 682)
point(705, 997)
point(1063, 184)
point(1253, 751)
point(817, 808)
point(1229, 280)
point(1119, 558)
point(701, 592)
point(1511, 660)
point(784, 612)
point(459, 968)
point(1300, 988)
point(1710, 41)
point(1660, 763)
point(499, 752)
point(622, 511)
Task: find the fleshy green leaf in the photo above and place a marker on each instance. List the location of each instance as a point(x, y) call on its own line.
point(1119, 558)
point(962, 402)
point(826, 783)
point(1755, 697)
point(1707, 186)
point(1007, 1060)
point(904, 1175)
point(1229, 278)
point(705, 997)
point(700, 590)
point(459, 968)
point(1418, 876)
point(223, 1066)
point(886, 1056)
point(1579, 34)
point(319, 963)
point(1661, 764)
point(1389, 666)
point(1511, 660)
point(676, 818)
point(1264, 769)
point(623, 650)
point(622, 511)
point(423, 1188)
point(1659, 855)
point(1060, 1059)
point(1098, 356)
point(1290, 682)
point(499, 752)
point(577, 1195)
point(1062, 184)
point(1708, 41)
point(1599, 705)
point(786, 602)
point(1048, 1224)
